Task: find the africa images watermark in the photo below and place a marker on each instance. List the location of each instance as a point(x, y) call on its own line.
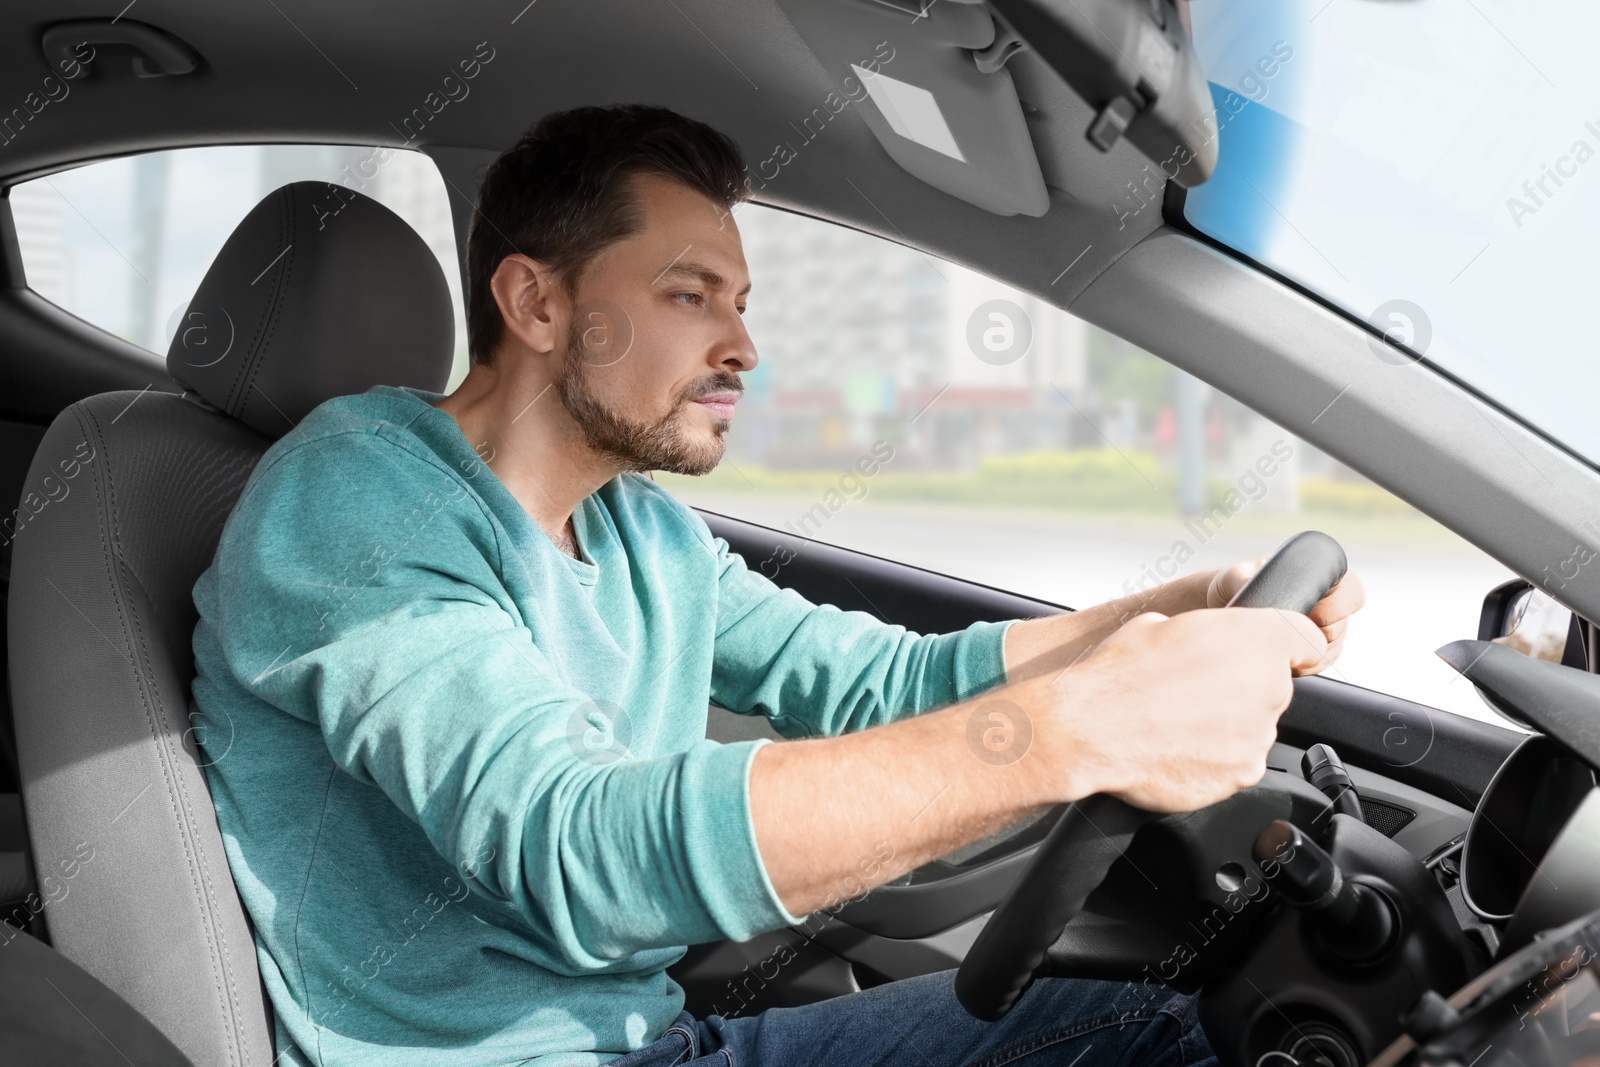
point(767, 969)
point(413, 924)
point(367, 570)
point(851, 486)
point(1153, 987)
point(1148, 188)
point(1540, 991)
point(832, 105)
point(206, 733)
point(1536, 191)
point(999, 732)
point(52, 90)
point(55, 890)
point(1241, 889)
point(453, 88)
point(55, 489)
point(1404, 333)
point(1249, 487)
point(999, 332)
point(599, 732)
point(1568, 569)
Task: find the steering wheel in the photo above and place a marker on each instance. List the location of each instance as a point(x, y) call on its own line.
point(1093, 833)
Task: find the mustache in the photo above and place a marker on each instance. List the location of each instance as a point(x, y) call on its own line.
point(723, 382)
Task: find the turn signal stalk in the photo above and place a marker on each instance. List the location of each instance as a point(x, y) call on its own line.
point(1353, 922)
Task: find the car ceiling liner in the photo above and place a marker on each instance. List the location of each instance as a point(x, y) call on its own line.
point(946, 110)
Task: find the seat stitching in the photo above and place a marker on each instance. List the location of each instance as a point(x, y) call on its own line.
point(239, 391)
point(253, 348)
point(177, 793)
point(248, 352)
point(280, 296)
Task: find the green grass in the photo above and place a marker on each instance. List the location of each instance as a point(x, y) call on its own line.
point(1086, 481)
point(1093, 487)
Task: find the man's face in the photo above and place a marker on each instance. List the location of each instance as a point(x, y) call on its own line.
point(656, 342)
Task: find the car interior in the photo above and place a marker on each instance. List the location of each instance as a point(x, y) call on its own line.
point(1394, 855)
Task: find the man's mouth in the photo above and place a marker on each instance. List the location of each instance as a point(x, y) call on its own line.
point(720, 405)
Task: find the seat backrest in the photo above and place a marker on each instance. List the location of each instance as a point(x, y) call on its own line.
point(319, 292)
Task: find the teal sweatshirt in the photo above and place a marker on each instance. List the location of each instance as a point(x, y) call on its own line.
point(463, 778)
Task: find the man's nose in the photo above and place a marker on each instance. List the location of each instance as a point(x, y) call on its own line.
point(737, 352)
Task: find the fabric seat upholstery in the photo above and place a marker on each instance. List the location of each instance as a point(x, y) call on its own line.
point(319, 292)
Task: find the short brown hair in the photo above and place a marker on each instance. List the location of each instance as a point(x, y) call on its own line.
point(561, 195)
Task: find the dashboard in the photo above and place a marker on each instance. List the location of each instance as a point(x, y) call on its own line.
point(1526, 808)
point(1527, 871)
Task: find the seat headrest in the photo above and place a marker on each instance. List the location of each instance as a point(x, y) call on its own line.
point(319, 292)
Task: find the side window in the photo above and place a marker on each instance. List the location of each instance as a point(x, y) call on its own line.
point(123, 243)
point(915, 410)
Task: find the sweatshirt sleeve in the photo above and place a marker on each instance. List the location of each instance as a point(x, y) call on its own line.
point(814, 670)
point(362, 596)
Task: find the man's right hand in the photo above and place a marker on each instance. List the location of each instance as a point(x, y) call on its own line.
point(1170, 714)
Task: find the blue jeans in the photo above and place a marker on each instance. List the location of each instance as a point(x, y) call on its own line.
point(917, 1022)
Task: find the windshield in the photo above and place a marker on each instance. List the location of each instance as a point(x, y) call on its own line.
point(1430, 167)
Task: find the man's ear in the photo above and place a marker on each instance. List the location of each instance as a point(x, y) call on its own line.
point(532, 303)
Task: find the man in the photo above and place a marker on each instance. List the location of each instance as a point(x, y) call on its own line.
point(425, 609)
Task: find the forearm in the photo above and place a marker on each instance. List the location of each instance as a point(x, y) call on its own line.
point(839, 815)
point(1165, 713)
point(1035, 646)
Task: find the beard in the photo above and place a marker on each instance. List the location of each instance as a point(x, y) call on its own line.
point(662, 445)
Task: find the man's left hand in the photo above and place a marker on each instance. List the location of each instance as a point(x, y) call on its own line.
point(1332, 613)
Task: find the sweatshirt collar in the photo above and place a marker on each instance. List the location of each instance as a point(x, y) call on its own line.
point(440, 432)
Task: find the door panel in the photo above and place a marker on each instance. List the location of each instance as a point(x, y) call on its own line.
point(1447, 755)
point(917, 599)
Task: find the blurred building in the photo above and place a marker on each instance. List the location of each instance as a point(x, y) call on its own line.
point(37, 210)
point(862, 339)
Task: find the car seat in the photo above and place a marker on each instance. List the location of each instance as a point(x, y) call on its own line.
point(319, 292)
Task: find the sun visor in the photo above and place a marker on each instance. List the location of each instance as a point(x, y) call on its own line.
point(938, 97)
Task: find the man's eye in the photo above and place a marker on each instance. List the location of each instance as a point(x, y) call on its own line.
point(740, 309)
point(694, 298)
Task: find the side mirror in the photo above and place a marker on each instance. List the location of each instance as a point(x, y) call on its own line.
point(1522, 617)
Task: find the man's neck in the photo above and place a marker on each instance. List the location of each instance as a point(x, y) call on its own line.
point(519, 428)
